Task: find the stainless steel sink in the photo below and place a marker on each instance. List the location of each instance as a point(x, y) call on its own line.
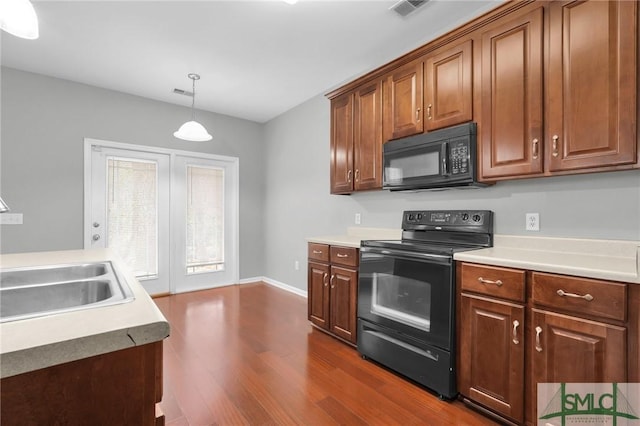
point(46, 290)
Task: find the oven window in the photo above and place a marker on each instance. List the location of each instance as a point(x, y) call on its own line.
point(402, 299)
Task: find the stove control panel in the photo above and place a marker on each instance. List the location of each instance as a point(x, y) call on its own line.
point(452, 220)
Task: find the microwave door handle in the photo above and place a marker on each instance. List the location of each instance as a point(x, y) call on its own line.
point(445, 158)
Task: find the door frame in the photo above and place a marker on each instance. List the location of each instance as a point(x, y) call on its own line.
point(234, 198)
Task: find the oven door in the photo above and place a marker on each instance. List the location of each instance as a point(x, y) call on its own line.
point(411, 293)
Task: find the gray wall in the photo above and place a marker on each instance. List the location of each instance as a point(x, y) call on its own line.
point(298, 204)
point(44, 122)
point(284, 177)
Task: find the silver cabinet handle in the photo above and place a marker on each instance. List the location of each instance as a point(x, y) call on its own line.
point(429, 111)
point(342, 255)
point(538, 332)
point(317, 252)
point(496, 282)
point(418, 114)
point(534, 149)
point(516, 323)
point(586, 297)
point(357, 174)
point(555, 145)
point(349, 173)
point(324, 279)
point(333, 277)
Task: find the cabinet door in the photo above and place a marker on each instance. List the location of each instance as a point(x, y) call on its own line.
point(447, 88)
point(344, 289)
point(342, 144)
point(510, 140)
point(318, 294)
point(591, 84)
point(492, 354)
point(571, 349)
point(403, 102)
point(368, 137)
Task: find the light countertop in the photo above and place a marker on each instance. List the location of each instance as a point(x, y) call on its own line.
point(35, 343)
point(616, 260)
point(355, 235)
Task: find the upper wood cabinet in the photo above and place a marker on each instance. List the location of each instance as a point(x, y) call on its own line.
point(368, 137)
point(448, 91)
point(342, 144)
point(356, 140)
point(591, 84)
point(510, 142)
point(403, 99)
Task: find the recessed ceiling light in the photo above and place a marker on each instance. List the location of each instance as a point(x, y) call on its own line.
point(290, 1)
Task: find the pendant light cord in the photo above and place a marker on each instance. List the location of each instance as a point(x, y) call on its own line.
point(193, 100)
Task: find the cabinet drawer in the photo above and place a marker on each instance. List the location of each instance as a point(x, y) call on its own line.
point(494, 281)
point(344, 255)
point(582, 296)
point(318, 252)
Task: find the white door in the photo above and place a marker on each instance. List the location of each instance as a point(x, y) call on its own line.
point(172, 216)
point(204, 206)
point(129, 212)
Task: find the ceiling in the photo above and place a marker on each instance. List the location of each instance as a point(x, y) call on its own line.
point(257, 59)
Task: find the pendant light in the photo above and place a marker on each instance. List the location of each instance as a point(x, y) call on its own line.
point(192, 130)
point(18, 17)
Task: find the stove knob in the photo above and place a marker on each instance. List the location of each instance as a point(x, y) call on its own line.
point(410, 216)
point(465, 216)
point(476, 218)
point(419, 216)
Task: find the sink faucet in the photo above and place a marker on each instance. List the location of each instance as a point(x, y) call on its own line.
point(3, 206)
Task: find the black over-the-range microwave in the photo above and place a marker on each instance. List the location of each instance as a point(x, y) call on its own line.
point(435, 160)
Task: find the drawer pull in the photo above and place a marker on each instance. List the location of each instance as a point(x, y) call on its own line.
point(324, 279)
point(342, 255)
point(586, 297)
point(496, 282)
point(538, 346)
point(317, 252)
point(333, 277)
point(516, 323)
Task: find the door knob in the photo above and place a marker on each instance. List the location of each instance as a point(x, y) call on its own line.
point(95, 237)
point(96, 225)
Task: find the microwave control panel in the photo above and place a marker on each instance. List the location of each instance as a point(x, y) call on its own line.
point(459, 157)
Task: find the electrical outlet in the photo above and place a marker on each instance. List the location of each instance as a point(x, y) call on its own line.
point(358, 218)
point(296, 265)
point(533, 222)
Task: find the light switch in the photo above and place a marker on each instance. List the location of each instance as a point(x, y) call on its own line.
point(11, 218)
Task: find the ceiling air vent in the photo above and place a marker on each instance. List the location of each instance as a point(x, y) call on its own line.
point(406, 7)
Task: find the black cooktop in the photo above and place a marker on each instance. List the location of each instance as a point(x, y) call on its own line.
point(441, 232)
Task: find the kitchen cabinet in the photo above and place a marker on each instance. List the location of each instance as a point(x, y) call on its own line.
point(510, 140)
point(591, 87)
point(448, 95)
point(568, 329)
point(116, 388)
point(333, 289)
point(590, 95)
point(491, 336)
point(356, 140)
point(403, 100)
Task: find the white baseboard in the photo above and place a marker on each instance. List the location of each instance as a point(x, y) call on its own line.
point(275, 283)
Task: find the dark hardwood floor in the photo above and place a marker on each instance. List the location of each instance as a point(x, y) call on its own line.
point(246, 355)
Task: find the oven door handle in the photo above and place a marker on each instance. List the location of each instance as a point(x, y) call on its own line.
point(400, 254)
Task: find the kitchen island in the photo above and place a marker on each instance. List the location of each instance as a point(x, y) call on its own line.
point(99, 365)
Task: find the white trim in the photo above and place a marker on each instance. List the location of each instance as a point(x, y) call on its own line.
point(275, 283)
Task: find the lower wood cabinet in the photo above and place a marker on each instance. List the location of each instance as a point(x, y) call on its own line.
point(333, 289)
point(116, 388)
point(519, 328)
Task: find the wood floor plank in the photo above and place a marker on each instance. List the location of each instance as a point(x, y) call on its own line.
point(247, 355)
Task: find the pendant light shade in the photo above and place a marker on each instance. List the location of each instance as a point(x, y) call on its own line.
point(192, 130)
point(18, 17)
